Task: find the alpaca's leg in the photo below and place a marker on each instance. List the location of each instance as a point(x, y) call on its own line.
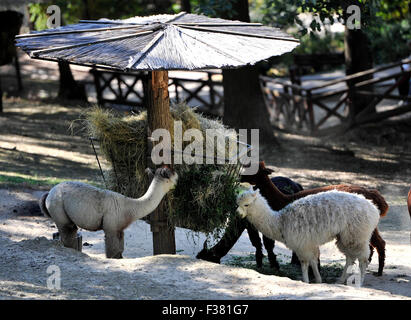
point(296, 262)
point(378, 242)
point(230, 237)
point(66, 227)
point(68, 235)
point(349, 261)
point(314, 264)
point(363, 262)
point(255, 240)
point(114, 242)
point(314, 267)
point(121, 243)
point(371, 253)
point(305, 256)
point(269, 246)
point(304, 270)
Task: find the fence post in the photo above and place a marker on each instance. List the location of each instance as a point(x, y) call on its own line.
point(309, 106)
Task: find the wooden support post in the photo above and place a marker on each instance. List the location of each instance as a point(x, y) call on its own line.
point(158, 111)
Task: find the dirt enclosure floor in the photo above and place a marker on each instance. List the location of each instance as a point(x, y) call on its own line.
point(37, 150)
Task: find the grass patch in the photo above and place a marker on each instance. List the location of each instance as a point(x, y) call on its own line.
point(329, 272)
point(30, 181)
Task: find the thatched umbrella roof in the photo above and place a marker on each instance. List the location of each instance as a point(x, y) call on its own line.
point(158, 43)
point(162, 42)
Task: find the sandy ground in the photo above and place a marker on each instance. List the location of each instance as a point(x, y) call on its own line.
point(28, 251)
point(35, 143)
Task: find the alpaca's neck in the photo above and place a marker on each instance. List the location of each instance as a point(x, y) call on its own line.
point(143, 206)
point(266, 220)
point(276, 199)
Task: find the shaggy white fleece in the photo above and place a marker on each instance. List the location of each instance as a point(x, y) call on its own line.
point(316, 219)
point(74, 204)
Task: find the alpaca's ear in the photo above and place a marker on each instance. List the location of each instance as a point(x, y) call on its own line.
point(150, 173)
point(268, 171)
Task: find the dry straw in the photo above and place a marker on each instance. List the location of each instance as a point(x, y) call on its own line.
point(204, 198)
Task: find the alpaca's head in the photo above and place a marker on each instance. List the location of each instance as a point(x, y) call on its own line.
point(261, 173)
point(167, 177)
point(244, 200)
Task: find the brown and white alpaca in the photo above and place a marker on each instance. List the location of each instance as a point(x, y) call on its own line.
point(73, 204)
point(278, 200)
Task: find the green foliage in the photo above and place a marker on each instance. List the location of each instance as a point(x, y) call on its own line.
point(386, 23)
point(71, 12)
point(38, 15)
point(74, 10)
point(215, 8)
point(119, 9)
point(389, 41)
point(313, 43)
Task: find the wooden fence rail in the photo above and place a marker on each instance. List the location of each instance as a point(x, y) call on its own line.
point(292, 106)
point(295, 107)
point(127, 88)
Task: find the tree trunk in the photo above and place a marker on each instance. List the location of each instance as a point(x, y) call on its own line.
point(358, 57)
point(86, 10)
point(158, 111)
point(162, 6)
point(244, 106)
point(69, 89)
point(186, 5)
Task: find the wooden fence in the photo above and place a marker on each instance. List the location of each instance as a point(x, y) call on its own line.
point(126, 88)
point(295, 107)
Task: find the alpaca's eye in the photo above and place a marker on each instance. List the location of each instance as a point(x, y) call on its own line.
point(246, 205)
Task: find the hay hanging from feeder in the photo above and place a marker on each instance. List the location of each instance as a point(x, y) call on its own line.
point(204, 197)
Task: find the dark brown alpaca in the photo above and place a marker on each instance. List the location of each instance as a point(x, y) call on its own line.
point(277, 200)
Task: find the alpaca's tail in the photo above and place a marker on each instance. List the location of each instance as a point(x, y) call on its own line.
point(371, 194)
point(42, 204)
point(379, 201)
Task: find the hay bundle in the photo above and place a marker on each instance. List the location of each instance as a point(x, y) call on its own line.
point(123, 142)
point(204, 197)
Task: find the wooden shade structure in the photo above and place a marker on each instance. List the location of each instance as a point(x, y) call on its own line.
point(157, 44)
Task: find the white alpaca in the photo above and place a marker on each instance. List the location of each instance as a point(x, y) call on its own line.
point(309, 222)
point(74, 204)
